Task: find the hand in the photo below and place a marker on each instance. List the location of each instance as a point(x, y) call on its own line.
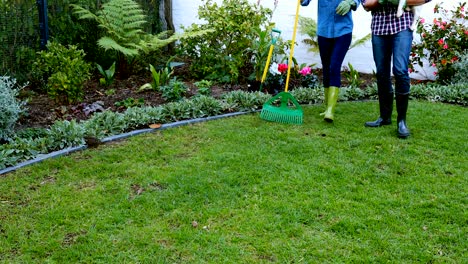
point(305, 2)
point(391, 2)
point(344, 7)
point(371, 5)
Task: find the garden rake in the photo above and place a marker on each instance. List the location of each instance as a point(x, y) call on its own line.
point(275, 33)
point(284, 113)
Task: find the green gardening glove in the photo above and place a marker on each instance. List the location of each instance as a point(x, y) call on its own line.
point(344, 7)
point(391, 2)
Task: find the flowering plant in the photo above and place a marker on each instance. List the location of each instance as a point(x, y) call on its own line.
point(442, 42)
point(300, 76)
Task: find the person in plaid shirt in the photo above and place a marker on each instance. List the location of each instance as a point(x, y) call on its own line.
point(391, 43)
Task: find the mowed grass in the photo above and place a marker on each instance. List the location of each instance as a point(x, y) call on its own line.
point(243, 190)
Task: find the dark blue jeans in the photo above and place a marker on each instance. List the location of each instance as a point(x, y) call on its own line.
point(384, 48)
point(332, 54)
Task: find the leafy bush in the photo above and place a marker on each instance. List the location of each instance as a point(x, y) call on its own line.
point(123, 22)
point(351, 93)
point(65, 134)
point(108, 75)
point(305, 95)
point(461, 70)
point(16, 151)
point(174, 91)
point(352, 75)
point(453, 93)
point(442, 41)
point(105, 124)
point(222, 55)
point(206, 106)
point(10, 107)
point(245, 101)
point(62, 71)
point(176, 111)
point(139, 117)
point(130, 102)
point(204, 87)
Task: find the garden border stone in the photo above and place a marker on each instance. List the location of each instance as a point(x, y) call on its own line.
point(67, 151)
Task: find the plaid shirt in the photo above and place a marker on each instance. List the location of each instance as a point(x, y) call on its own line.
point(385, 21)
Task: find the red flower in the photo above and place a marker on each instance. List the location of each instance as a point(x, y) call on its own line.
point(282, 67)
point(441, 42)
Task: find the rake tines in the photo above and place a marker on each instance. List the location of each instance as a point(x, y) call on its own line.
point(282, 113)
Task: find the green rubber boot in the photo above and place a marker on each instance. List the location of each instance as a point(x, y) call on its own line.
point(325, 100)
point(331, 103)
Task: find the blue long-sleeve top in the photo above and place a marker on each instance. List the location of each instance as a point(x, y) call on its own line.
point(330, 24)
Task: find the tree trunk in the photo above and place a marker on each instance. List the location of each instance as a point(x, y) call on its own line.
point(165, 16)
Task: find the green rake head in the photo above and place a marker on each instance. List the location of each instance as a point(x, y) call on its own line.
point(284, 113)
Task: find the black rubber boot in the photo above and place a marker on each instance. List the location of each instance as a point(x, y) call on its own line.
point(402, 108)
point(386, 108)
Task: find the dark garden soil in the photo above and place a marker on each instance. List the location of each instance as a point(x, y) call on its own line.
point(43, 111)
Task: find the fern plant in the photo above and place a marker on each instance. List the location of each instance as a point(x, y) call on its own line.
point(308, 26)
point(123, 21)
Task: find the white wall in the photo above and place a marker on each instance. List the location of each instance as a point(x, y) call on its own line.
point(185, 13)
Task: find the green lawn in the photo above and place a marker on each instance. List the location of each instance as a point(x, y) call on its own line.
point(242, 190)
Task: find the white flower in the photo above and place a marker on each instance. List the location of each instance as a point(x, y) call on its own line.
point(274, 69)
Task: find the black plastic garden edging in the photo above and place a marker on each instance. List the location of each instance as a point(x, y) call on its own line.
point(67, 151)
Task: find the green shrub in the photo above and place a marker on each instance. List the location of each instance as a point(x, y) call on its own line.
point(352, 93)
point(176, 111)
point(62, 71)
point(245, 101)
point(204, 87)
point(222, 55)
point(461, 70)
point(206, 106)
point(65, 134)
point(123, 23)
point(307, 95)
point(130, 102)
point(10, 107)
point(174, 91)
point(139, 117)
point(453, 93)
point(442, 40)
point(108, 75)
point(105, 123)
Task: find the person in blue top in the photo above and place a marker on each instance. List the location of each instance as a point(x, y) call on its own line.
point(334, 35)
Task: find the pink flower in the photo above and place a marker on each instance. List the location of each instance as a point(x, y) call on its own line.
point(282, 67)
point(441, 42)
point(422, 21)
point(435, 73)
point(434, 65)
point(442, 27)
point(305, 71)
point(410, 70)
point(445, 46)
point(466, 32)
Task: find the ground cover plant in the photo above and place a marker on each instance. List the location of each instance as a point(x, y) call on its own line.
point(243, 190)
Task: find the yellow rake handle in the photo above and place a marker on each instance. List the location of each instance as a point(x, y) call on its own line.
point(267, 63)
point(292, 45)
